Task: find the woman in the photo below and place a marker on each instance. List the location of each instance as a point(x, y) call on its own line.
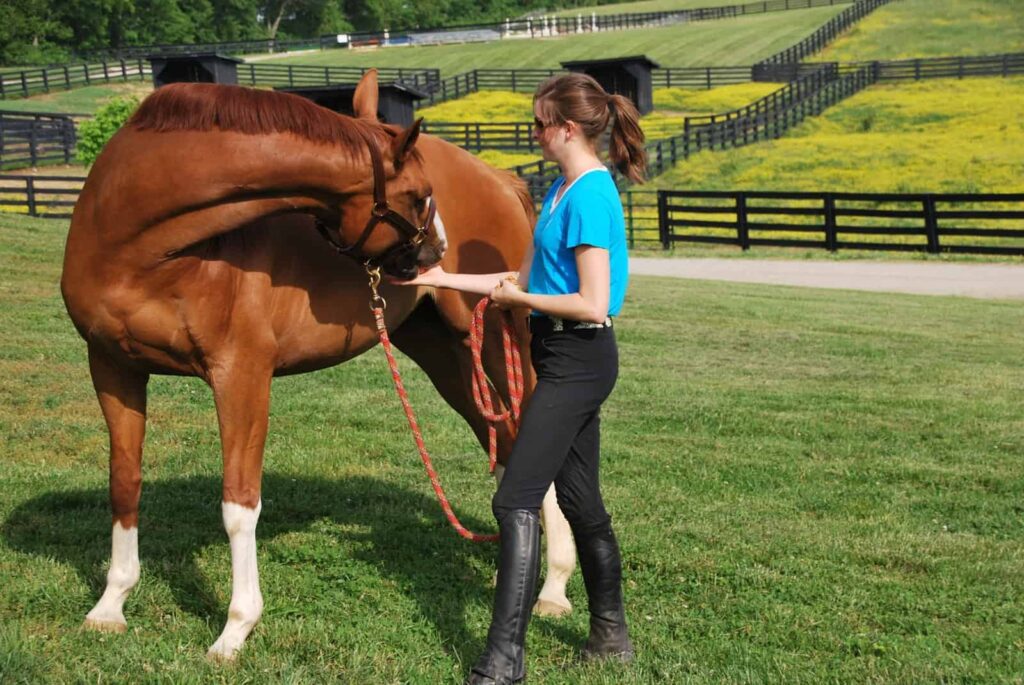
point(575, 275)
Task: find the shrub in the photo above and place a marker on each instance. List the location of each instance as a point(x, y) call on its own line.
point(94, 133)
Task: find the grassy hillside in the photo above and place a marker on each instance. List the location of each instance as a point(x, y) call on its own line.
point(84, 100)
point(933, 28)
point(726, 42)
point(930, 136)
point(831, 493)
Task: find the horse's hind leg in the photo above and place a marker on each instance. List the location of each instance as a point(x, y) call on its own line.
point(241, 391)
point(122, 396)
point(443, 354)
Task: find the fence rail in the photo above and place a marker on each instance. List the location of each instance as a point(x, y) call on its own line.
point(1008, 64)
point(934, 223)
point(292, 75)
point(52, 197)
point(817, 41)
point(43, 80)
point(529, 27)
point(28, 139)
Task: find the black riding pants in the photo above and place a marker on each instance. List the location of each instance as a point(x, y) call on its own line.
point(559, 436)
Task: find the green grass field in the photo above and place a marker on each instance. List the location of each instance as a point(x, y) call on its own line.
point(932, 28)
point(84, 100)
point(831, 487)
point(726, 42)
point(943, 135)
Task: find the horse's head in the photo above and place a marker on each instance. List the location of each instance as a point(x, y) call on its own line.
point(395, 225)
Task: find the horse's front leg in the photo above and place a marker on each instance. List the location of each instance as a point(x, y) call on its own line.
point(241, 392)
point(122, 396)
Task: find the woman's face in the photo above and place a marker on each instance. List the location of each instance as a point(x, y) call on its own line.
point(546, 135)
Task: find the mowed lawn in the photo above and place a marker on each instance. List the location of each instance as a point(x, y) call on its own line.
point(809, 486)
point(726, 42)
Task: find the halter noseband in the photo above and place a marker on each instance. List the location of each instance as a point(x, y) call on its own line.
point(382, 212)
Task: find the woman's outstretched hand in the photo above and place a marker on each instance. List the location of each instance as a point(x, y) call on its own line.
point(432, 276)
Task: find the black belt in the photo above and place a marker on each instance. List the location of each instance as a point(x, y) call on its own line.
point(544, 324)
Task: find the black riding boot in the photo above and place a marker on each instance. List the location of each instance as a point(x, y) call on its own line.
point(502, 662)
point(601, 566)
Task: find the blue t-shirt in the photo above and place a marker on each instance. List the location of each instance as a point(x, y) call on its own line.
point(588, 213)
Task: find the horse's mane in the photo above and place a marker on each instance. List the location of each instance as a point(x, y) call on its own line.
point(522, 192)
point(205, 106)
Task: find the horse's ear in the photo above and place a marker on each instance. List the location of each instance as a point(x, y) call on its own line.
point(404, 142)
point(364, 102)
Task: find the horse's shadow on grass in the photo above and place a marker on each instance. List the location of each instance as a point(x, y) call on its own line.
point(399, 532)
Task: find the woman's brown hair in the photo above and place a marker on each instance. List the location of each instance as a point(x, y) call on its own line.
point(579, 98)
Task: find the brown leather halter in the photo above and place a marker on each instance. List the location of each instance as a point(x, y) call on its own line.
point(382, 212)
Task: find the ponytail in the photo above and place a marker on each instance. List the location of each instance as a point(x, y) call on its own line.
point(626, 145)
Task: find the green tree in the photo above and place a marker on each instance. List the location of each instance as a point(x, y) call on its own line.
point(29, 33)
point(93, 134)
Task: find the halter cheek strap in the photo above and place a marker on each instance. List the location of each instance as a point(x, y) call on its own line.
point(382, 212)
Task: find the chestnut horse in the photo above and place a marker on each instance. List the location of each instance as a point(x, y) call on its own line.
point(194, 250)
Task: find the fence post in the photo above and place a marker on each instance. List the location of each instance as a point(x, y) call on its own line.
point(831, 239)
point(663, 227)
point(629, 219)
point(742, 230)
point(931, 224)
point(30, 194)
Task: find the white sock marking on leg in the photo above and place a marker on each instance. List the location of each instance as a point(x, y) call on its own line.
point(246, 600)
point(121, 578)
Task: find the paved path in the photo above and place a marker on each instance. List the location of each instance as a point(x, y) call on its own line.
point(997, 281)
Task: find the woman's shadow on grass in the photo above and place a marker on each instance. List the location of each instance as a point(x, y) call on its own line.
point(389, 528)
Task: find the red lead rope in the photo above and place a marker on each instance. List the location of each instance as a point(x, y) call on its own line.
point(513, 371)
point(484, 403)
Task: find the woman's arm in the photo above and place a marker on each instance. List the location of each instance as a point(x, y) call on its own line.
point(436, 277)
point(480, 284)
point(589, 304)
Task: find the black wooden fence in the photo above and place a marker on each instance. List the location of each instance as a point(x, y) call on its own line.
point(585, 21)
point(28, 139)
point(1009, 64)
point(51, 197)
point(817, 41)
point(43, 80)
point(263, 74)
point(30, 82)
point(934, 223)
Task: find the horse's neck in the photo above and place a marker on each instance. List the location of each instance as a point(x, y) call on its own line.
point(191, 186)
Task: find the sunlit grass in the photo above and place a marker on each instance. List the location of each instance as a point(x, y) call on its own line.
point(831, 490)
point(932, 28)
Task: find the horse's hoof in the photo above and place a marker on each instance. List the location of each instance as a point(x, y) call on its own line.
point(105, 626)
point(545, 607)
